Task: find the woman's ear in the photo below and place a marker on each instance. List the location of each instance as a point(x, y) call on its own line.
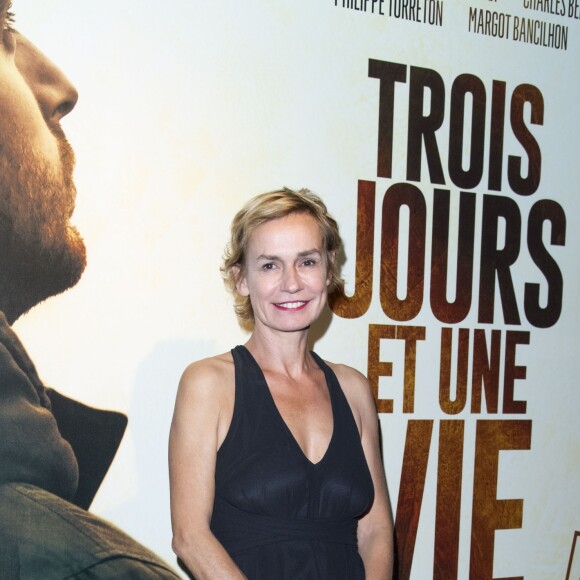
point(240, 279)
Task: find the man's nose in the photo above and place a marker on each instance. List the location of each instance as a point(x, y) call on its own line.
point(55, 94)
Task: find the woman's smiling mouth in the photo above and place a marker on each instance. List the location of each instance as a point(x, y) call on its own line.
point(298, 305)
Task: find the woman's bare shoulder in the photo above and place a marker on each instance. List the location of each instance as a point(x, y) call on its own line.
point(355, 386)
point(211, 374)
point(349, 376)
point(208, 367)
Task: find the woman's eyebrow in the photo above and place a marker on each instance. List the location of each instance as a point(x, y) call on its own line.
point(267, 257)
point(302, 254)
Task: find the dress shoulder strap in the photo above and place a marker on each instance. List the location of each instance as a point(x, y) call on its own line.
point(343, 411)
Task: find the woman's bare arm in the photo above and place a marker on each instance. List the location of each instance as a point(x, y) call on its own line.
point(375, 529)
point(203, 410)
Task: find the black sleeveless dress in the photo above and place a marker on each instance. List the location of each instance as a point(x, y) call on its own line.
point(277, 514)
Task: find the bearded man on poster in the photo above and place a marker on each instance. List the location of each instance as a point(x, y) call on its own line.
point(54, 452)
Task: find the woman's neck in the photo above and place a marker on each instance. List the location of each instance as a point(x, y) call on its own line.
point(284, 352)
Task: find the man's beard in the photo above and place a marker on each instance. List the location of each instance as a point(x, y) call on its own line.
point(41, 254)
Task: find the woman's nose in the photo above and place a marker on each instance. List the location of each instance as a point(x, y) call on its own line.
point(291, 281)
point(55, 94)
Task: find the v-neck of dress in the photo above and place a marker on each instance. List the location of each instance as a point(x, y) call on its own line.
point(285, 428)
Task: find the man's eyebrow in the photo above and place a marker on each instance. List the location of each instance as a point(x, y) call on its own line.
point(309, 252)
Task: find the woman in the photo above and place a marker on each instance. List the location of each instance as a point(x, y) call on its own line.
point(274, 455)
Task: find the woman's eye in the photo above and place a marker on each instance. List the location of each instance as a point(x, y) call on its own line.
point(268, 266)
point(309, 262)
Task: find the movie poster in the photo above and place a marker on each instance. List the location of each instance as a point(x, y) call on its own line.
point(444, 136)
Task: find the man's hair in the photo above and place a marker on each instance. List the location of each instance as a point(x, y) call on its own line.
point(271, 206)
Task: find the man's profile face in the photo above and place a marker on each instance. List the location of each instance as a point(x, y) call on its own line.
point(41, 254)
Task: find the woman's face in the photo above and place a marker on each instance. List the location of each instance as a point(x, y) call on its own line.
point(285, 273)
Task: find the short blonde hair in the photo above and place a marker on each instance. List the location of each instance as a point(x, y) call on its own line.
point(264, 208)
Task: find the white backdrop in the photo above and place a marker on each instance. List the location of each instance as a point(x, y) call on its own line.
point(189, 108)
